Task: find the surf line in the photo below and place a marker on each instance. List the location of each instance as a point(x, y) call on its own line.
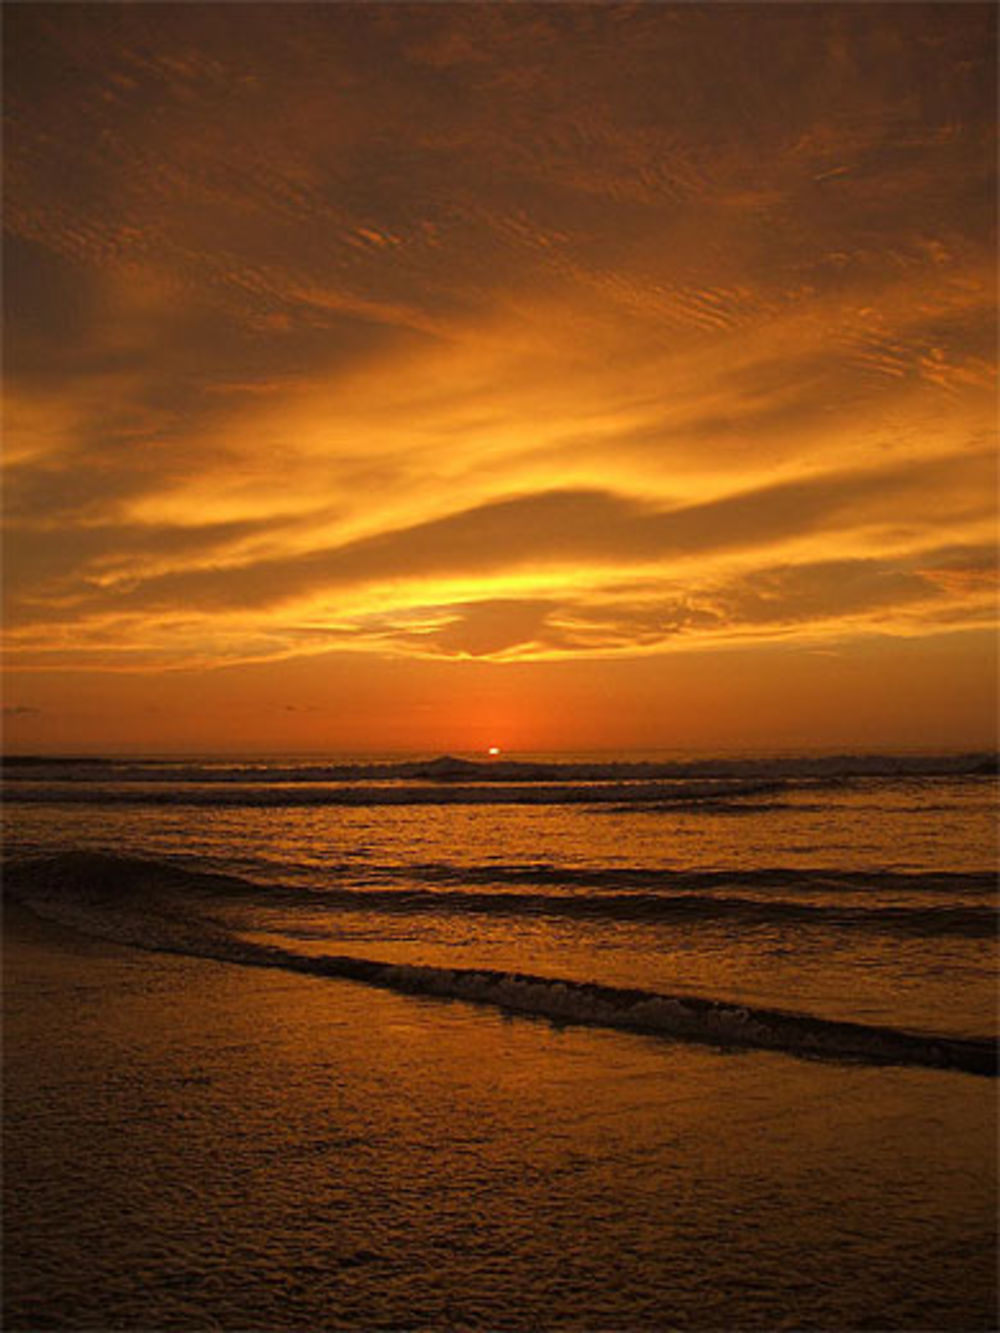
point(718, 1023)
point(689, 1018)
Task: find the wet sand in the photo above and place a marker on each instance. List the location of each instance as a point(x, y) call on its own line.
point(195, 1145)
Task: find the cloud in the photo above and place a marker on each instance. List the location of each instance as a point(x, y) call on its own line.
point(494, 331)
point(689, 605)
point(478, 629)
point(867, 595)
point(571, 528)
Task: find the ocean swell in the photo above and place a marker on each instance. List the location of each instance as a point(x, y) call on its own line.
point(749, 898)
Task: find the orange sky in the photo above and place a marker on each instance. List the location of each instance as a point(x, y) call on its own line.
point(547, 376)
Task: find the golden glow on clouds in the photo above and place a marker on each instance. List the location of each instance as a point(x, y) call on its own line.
point(460, 332)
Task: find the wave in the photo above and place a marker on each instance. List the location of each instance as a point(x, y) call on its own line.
point(133, 903)
point(693, 797)
point(449, 769)
point(968, 922)
point(765, 878)
point(621, 894)
point(747, 785)
point(965, 922)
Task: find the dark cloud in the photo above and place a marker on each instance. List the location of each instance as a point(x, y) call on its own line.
point(487, 628)
point(810, 595)
point(414, 144)
point(49, 563)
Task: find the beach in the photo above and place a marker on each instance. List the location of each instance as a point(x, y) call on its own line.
point(195, 1144)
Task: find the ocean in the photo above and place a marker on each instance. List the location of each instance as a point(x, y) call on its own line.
point(774, 975)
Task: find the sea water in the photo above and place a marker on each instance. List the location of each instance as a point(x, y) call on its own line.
point(798, 941)
point(853, 891)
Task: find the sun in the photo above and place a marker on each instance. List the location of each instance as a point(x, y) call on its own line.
point(494, 750)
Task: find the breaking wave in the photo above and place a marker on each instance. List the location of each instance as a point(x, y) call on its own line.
point(449, 768)
point(138, 903)
point(745, 785)
point(720, 786)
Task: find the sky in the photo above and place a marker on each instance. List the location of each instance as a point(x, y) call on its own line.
point(547, 376)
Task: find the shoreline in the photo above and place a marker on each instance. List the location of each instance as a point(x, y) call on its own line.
point(192, 1145)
